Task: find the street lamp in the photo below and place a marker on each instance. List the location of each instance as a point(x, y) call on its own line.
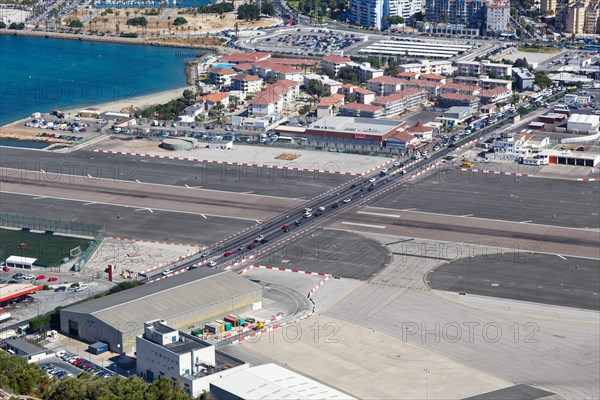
point(427, 372)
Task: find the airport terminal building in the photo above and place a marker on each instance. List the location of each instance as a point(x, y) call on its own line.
point(185, 300)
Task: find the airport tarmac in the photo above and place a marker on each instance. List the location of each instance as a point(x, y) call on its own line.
point(493, 234)
point(509, 198)
point(539, 278)
point(332, 252)
point(549, 347)
point(62, 166)
point(131, 222)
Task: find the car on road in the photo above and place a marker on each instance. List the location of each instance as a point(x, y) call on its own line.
point(165, 272)
point(372, 180)
point(212, 263)
point(347, 200)
point(82, 288)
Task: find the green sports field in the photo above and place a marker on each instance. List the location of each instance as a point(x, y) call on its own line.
point(48, 249)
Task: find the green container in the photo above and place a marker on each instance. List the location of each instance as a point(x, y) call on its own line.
point(227, 326)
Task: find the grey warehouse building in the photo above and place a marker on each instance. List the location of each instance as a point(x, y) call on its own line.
point(185, 300)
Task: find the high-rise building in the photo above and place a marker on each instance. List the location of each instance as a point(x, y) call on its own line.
point(576, 17)
point(373, 12)
point(367, 12)
point(497, 16)
point(455, 12)
point(548, 7)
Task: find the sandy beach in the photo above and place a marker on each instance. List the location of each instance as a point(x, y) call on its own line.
point(137, 101)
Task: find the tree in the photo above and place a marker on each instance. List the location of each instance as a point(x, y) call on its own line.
point(180, 21)
point(521, 63)
point(267, 8)
point(305, 109)
point(248, 12)
point(542, 80)
point(75, 24)
point(315, 88)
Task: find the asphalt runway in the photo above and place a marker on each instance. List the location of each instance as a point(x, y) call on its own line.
point(344, 254)
point(154, 197)
point(126, 221)
point(272, 182)
point(538, 278)
point(535, 200)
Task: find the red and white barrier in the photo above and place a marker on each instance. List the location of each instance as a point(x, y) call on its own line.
point(156, 242)
point(491, 172)
point(164, 157)
point(296, 271)
point(588, 179)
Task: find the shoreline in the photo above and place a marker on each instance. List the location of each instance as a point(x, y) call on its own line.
point(219, 50)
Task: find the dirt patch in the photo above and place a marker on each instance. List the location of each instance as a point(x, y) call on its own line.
point(287, 156)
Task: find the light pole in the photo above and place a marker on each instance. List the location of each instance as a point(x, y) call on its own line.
point(427, 372)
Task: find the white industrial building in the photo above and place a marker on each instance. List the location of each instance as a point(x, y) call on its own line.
point(189, 299)
point(583, 123)
point(182, 358)
point(271, 382)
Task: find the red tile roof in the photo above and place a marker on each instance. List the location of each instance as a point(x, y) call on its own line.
point(397, 96)
point(245, 57)
point(404, 137)
point(419, 128)
point(214, 97)
point(362, 107)
point(387, 80)
point(433, 77)
point(337, 59)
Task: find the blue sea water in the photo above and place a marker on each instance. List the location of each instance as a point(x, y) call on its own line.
point(40, 74)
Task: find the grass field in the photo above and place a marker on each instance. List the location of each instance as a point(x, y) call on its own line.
point(537, 50)
point(48, 249)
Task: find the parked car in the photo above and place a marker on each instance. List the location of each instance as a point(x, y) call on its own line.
point(82, 288)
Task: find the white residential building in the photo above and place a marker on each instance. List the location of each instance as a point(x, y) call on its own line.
point(441, 67)
point(484, 67)
point(183, 359)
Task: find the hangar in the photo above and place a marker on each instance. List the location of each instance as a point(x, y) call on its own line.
point(185, 300)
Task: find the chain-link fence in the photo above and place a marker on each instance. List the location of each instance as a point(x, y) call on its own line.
point(48, 224)
point(26, 222)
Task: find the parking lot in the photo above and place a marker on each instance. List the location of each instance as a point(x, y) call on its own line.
point(308, 42)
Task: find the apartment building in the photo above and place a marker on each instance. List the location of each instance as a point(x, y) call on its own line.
point(385, 85)
point(247, 83)
point(399, 102)
point(428, 67)
point(332, 64)
point(362, 110)
point(484, 67)
point(497, 17)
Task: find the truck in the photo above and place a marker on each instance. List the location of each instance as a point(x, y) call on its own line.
point(5, 317)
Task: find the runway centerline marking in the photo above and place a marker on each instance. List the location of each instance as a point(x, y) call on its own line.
point(364, 225)
point(378, 214)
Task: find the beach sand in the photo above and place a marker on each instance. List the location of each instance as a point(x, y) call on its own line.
point(137, 102)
